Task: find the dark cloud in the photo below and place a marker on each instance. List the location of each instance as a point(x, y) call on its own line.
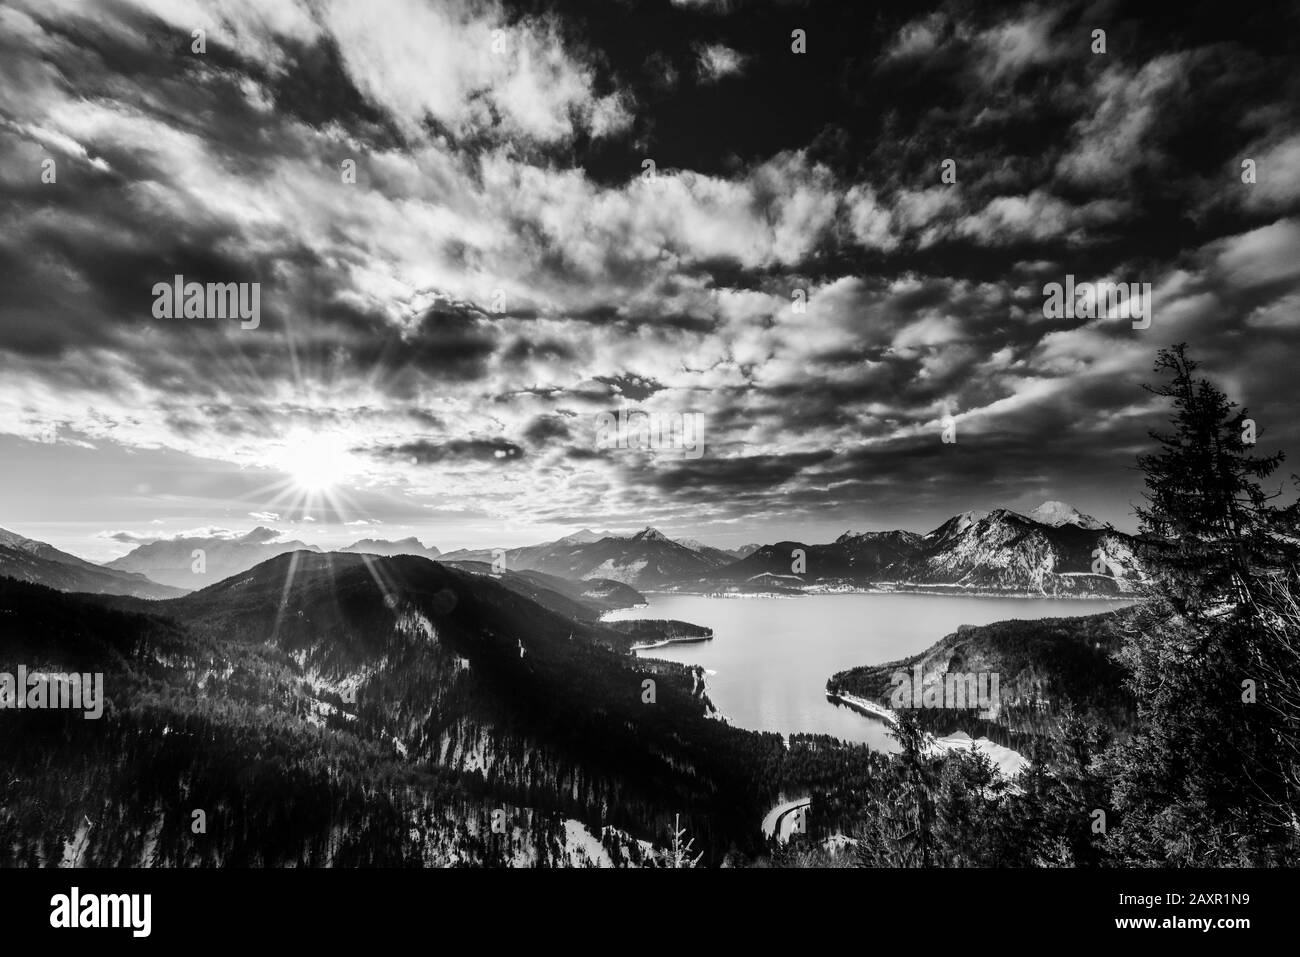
point(709, 478)
point(454, 452)
point(546, 429)
point(633, 388)
point(523, 349)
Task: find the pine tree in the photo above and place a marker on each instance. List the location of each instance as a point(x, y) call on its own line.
point(1061, 790)
point(1211, 777)
point(679, 855)
point(899, 829)
point(1213, 530)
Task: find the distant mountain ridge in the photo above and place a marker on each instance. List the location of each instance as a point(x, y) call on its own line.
point(39, 563)
point(173, 561)
point(648, 558)
point(379, 546)
point(1007, 551)
point(1052, 550)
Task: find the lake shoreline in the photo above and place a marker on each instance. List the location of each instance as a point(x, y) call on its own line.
point(1008, 761)
point(769, 661)
point(689, 640)
point(863, 706)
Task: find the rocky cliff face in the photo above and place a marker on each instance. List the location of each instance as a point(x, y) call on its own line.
point(1054, 550)
point(1007, 551)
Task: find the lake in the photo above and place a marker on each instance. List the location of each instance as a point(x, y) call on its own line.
point(770, 657)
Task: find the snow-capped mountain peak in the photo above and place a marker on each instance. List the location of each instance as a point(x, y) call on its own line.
point(1058, 513)
point(649, 534)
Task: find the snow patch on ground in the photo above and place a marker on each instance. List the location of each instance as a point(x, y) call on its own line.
point(414, 624)
point(582, 848)
point(472, 751)
point(627, 574)
point(1008, 762)
point(320, 712)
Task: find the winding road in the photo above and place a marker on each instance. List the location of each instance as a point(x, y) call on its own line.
point(779, 822)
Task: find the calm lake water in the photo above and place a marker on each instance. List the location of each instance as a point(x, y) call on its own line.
point(770, 657)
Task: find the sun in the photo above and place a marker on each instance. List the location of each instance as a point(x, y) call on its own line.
point(317, 462)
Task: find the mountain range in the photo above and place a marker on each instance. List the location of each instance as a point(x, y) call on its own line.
point(648, 559)
point(195, 561)
point(401, 710)
point(1052, 550)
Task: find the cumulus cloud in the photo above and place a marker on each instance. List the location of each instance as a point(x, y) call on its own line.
point(1118, 137)
point(502, 269)
point(716, 61)
point(1277, 176)
point(256, 536)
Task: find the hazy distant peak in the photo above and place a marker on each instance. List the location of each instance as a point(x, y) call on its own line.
point(379, 546)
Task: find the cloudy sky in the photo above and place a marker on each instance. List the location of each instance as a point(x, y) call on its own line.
point(566, 210)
